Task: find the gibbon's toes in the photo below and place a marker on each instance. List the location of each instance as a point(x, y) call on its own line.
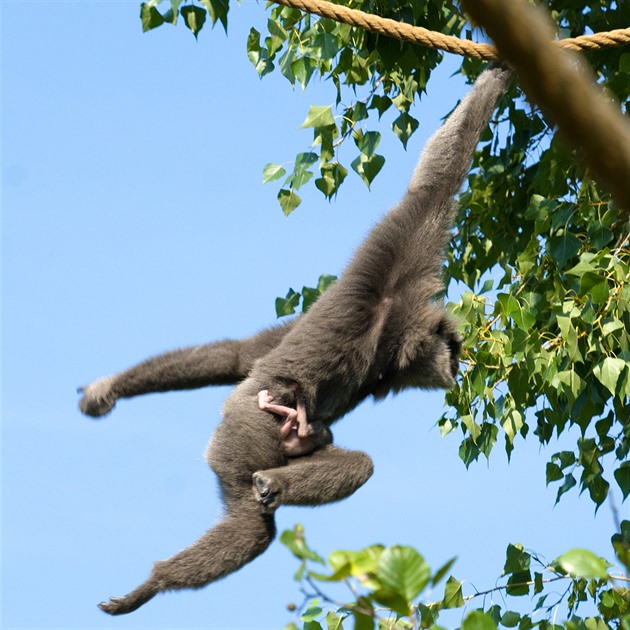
point(94, 407)
point(266, 494)
point(97, 399)
point(121, 605)
point(115, 606)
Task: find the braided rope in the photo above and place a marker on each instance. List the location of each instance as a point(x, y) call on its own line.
point(424, 37)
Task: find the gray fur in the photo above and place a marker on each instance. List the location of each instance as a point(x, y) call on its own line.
point(377, 330)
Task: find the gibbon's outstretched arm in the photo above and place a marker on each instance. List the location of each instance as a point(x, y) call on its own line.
point(220, 363)
point(378, 329)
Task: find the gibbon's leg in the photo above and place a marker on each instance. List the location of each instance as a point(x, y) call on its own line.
point(326, 475)
point(245, 441)
point(242, 535)
point(240, 445)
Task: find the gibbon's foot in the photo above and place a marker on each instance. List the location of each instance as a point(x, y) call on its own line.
point(267, 492)
point(118, 606)
point(98, 399)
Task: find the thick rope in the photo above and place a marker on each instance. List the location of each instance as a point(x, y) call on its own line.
point(424, 37)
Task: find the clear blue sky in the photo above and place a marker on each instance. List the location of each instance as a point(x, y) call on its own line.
point(135, 221)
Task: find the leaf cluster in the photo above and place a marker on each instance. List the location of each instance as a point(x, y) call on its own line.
point(194, 16)
point(371, 75)
point(389, 588)
point(308, 296)
point(543, 256)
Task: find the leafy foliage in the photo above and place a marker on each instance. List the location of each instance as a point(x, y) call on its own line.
point(289, 304)
point(389, 585)
point(540, 262)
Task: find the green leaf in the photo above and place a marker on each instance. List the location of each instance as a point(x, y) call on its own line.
point(294, 540)
point(380, 103)
point(569, 482)
point(368, 167)
point(277, 36)
point(569, 335)
point(478, 620)
point(303, 69)
point(573, 384)
point(304, 160)
point(332, 177)
point(334, 621)
point(392, 600)
point(584, 266)
point(360, 563)
point(287, 305)
point(442, 571)
point(608, 372)
point(554, 473)
point(289, 200)
point(468, 452)
point(364, 618)
point(473, 428)
point(512, 423)
point(319, 116)
point(311, 613)
point(367, 142)
point(150, 17)
point(404, 571)
point(597, 488)
point(325, 280)
point(622, 477)
point(273, 172)
point(510, 619)
point(194, 18)
point(516, 559)
point(326, 45)
point(258, 56)
point(453, 596)
point(171, 15)
point(518, 583)
point(583, 563)
point(564, 247)
point(218, 11)
point(325, 137)
point(488, 438)
point(404, 127)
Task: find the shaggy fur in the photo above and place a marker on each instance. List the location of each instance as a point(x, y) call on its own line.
point(377, 330)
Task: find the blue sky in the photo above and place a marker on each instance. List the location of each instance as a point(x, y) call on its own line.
point(135, 221)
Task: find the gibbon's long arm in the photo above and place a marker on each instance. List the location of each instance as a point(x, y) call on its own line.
point(220, 363)
point(406, 250)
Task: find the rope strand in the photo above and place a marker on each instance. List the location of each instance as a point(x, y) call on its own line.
point(449, 43)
